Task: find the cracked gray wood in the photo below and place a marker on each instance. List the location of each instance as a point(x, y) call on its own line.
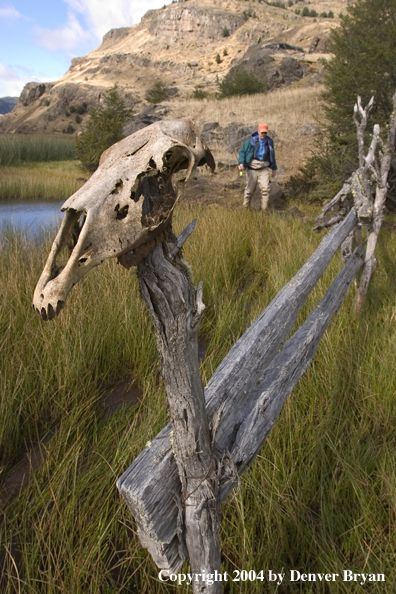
point(151, 486)
point(175, 308)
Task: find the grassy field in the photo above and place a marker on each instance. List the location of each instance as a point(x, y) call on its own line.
point(38, 167)
point(26, 148)
point(321, 495)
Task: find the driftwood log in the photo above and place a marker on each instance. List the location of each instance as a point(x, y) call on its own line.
point(234, 398)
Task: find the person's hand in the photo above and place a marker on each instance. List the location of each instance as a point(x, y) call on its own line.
point(241, 166)
point(273, 173)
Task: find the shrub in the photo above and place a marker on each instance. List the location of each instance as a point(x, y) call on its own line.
point(305, 11)
point(199, 93)
point(241, 82)
point(78, 119)
point(331, 14)
point(366, 36)
point(68, 130)
point(225, 32)
point(72, 109)
point(218, 59)
point(156, 93)
point(103, 129)
point(225, 52)
point(249, 13)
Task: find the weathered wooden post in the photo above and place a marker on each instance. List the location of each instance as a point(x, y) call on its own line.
point(175, 308)
point(366, 191)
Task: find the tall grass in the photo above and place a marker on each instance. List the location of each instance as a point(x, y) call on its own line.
point(41, 181)
point(319, 498)
point(22, 148)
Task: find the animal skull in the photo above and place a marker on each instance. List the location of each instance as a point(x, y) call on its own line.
point(123, 209)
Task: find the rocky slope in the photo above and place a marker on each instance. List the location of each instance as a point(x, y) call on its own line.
point(177, 45)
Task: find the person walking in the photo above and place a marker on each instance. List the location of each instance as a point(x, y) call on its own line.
point(257, 157)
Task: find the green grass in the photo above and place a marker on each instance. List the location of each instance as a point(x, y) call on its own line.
point(50, 181)
point(320, 497)
point(16, 149)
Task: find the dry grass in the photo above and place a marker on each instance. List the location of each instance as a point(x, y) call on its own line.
point(287, 111)
point(41, 181)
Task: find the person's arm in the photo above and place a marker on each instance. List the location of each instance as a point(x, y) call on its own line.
point(241, 157)
point(274, 166)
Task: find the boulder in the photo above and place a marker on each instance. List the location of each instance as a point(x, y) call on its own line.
point(148, 115)
point(291, 70)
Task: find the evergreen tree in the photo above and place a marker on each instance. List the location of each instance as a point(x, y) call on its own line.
point(364, 64)
point(103, 129)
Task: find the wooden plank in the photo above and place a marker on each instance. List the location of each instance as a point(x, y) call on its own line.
point(288, 366)
point(150, 486)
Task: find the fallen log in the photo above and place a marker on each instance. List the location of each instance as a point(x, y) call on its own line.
point(151, 486)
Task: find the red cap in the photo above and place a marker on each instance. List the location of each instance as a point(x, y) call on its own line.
point(263, 128)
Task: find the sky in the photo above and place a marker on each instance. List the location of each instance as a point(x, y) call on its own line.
point(39, 38)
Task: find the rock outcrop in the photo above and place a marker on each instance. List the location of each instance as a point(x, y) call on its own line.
point(185, 46)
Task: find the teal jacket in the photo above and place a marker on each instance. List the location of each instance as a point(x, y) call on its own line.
point(249, 148)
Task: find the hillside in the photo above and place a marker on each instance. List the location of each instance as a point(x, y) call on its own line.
point(7, 104)
point(177, 45)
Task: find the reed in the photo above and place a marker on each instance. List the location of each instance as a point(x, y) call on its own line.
point(22, 148)
point(320, 497)
point(41, 181)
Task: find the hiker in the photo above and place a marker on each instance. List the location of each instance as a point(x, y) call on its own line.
point(257, 157)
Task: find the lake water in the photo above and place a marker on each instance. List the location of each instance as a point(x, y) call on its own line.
point(30, 217)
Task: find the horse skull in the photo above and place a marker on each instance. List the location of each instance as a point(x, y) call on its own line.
point(123, 209)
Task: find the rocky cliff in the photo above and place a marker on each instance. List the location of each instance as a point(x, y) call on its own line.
point(178, 45)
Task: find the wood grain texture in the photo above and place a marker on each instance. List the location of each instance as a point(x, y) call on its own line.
point(150, 486)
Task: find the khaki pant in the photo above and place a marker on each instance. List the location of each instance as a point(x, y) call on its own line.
point(262, 178)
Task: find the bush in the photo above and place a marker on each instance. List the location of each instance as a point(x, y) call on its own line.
point(78, 119)
point(241, 82)
point(218, 59)
point(225, 32)
point(225, 52)
point(156, 93)
point(366, 36)
point(103, 129)
point(249, 13)
point(68, 130)
point(199, 93)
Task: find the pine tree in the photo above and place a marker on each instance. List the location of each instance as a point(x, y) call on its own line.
point(103, 129)
point(364, 64)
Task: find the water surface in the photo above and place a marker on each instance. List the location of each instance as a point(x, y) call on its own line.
point(30, 217)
